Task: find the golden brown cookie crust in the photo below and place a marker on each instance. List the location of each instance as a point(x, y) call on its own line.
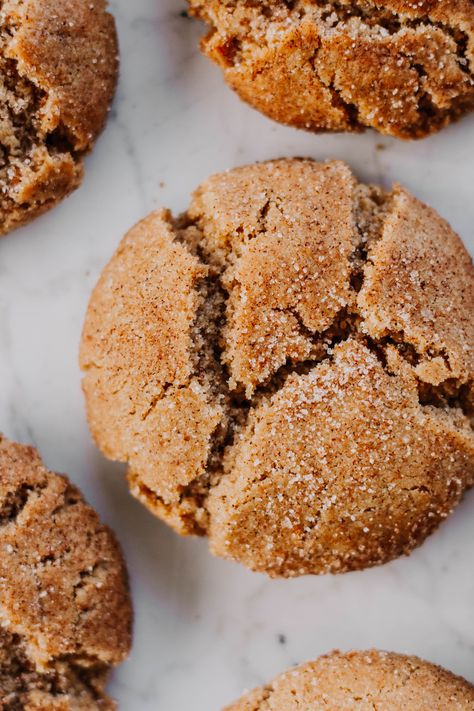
point(59, 70)
point(65, 610)
point(288, 368)
point(362, 680)
point(405, 69)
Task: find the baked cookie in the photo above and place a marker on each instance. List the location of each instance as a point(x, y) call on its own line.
point(364, 681)
point(403, 68)
point(65, 614)
point(288, 368)
point(58, 70)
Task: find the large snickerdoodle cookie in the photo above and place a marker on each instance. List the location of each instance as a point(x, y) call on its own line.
point(288, 368)
point(58, 70)
point(404, 68)
point(364, 681)
point(65, 613)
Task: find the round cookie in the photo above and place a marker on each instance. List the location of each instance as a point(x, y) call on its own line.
point(364, 681)
point(65, 612)
point(403, 68)
point(288, 368)
point(58, 71)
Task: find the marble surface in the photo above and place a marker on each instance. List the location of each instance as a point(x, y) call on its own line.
point(206, 629)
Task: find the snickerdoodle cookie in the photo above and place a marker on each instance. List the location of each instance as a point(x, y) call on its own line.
point(58, 70)
point(288, 367)
point(364, 681)
point(404, 68)
point(65, 612)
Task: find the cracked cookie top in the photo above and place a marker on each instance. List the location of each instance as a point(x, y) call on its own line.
point(402, 68)
point(65, 615)
point(362, 680)
point(288, 367)
point(58, 66)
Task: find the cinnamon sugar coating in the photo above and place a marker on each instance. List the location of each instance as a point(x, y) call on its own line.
point(58, 67)
point(65, 614)
point(288, 368)
point(403, 68)
point(362, 680)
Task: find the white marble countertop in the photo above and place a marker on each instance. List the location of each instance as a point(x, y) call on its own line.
point(206, 629)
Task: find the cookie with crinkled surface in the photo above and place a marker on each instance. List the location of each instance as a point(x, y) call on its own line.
point(363, 681)
point(403, 68)
point(288, 368)
point(58, 71)
point(65, 612)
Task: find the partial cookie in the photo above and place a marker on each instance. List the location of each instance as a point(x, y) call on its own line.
point(364, 681)
point(288, 368)
point(58, 67)
point(65, 612)
point(403, 68)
